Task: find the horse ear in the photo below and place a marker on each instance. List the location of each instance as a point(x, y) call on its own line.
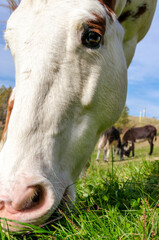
point(110, 4)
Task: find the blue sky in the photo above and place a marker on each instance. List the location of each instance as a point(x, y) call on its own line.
point(143, 73)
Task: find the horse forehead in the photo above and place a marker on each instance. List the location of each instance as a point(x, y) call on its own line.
point(60, 8)
point(50, 18)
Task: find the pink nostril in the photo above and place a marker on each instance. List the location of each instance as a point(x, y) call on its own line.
point(1, 204)
point(30, 198)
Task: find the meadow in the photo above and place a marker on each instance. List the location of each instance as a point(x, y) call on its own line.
point(115, 200)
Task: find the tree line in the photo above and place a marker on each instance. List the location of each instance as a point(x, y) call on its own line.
point(4, 96)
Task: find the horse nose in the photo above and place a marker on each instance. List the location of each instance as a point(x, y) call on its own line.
point(27, 200)
point(23, 198)
point(26, 203)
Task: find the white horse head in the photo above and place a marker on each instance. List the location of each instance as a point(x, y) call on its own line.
point(71, 83)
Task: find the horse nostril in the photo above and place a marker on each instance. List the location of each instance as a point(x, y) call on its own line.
point(37, 195)
point(34, 200)
point(1, 204)
point(32, 197)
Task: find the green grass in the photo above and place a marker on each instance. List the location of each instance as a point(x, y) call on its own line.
point(111, 203)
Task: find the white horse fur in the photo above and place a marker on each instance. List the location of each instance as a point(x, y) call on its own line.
point(66, 95)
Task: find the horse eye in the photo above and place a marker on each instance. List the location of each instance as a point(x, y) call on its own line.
point(91, 40)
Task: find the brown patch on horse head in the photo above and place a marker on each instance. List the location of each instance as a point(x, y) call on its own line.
point(141, 10)
point(133, 15)
point(128, 1)
point(124, 16)
point(9, 111)
point(109, 6)
point(109, 3)
point(98, 25)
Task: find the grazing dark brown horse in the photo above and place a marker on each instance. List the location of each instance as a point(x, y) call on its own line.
point(139, 134)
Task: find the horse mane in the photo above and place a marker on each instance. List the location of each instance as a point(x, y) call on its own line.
point(11, 4)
